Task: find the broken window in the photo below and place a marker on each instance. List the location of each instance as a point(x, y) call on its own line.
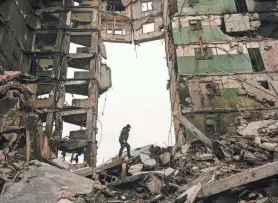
point(212, 126)
point(149, 27)
point(115, 6)
point(204, 54)
point(195, 25)
point(256, 59)
point(147, 6)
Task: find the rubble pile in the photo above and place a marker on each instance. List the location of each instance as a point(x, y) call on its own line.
point(242, 164)
point(176, 175)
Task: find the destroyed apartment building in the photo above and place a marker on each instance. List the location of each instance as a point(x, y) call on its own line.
point(35, 56)
point(223, 84)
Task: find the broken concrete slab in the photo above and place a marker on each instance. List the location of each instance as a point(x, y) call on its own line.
point(239, 179)
point(64, 201)
point(61, 162)
point(128, 179)
point(44, 184)
point(135, 168)
point(254, 89)
point(203, 179)
point(253, 128)
point(165, 158)
point(185, 148)
point(88, 171)
point(136, 152)
point(204, 157)
point(147, 160)
point(168, 171)
point(154, 184)
point(190, 194)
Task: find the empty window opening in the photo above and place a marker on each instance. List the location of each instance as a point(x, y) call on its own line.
point(116, 32)
point(204, 54)
point(43, 125)
point(192, 3)
point(44, 96)
point(213, 89)
point(115, 6)
point(33, 67)
point(45, 42)
point(70, 97)
point(212, 126)
point(74, 48)
point(256, 59)
point(76, 3)
point(149, 27)
point(147, 6)
point(82, 40)
point(241, 6)
point(119, 32)
point(195, 25)
point(72, 156)
point(264, 84)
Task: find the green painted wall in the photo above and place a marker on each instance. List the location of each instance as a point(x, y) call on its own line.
point(185, 34)
point(207, 6)
point(228, 63)
point(230, 99)
point(238, 101)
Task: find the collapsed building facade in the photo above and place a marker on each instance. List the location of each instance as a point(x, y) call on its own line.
point(35, 56)
point(221, 59)
point(223, 92)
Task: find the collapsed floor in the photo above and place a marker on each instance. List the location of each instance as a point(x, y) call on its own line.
point(238, 168)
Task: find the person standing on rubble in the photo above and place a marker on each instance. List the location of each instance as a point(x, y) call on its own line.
point(123, 141)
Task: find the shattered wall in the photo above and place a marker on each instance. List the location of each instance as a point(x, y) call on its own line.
point(132, 21)
point(224, 60)
point(35, 39)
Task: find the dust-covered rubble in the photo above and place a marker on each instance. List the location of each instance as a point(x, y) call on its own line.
point(242, 168)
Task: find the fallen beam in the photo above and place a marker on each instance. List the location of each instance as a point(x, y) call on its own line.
point(90, 171)
point(240, 179)
point(195, 131)
point(128, 179)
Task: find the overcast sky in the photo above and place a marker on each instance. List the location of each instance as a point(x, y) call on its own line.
point(138, 97)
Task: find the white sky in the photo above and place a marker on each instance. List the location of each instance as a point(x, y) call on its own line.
point(138, 97)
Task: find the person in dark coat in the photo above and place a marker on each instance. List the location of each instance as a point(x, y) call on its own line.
point(123, 141)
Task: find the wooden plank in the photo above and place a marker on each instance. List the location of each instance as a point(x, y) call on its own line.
point(236, 180)
point(195, 131)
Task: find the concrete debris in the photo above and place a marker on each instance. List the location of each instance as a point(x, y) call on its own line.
point(190, 171)
point(62, 163)
point(189, 195)
point(194, 173)
point(154, 184)
point(135, 168)
point(165, 158)
point(147, 160)
point(49, 181)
